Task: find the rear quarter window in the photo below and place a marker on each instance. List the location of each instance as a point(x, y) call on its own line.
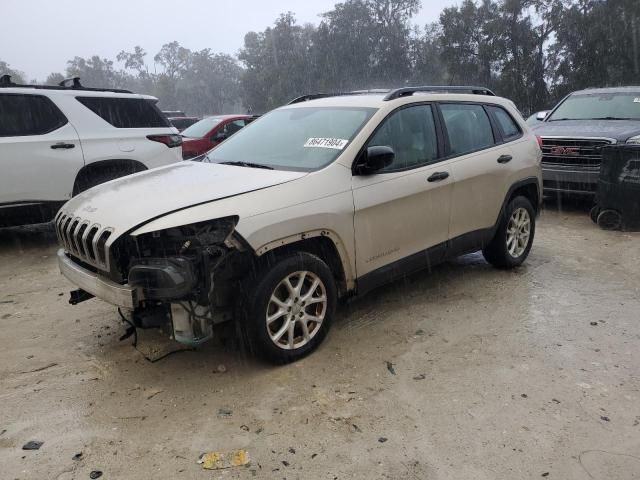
point(126, 112)
point(27, 115)
point(507, 125)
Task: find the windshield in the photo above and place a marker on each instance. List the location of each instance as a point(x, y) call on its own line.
point(201, 128)
point(599, 106)
point(300, 139)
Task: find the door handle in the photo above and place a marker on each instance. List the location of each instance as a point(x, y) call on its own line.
point(505, 159)
point(438, 177)
point(62, 145)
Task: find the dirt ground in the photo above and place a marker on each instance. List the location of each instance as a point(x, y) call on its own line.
point(464, 373)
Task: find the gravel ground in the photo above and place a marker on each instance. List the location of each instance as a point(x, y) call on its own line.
point(464, 373)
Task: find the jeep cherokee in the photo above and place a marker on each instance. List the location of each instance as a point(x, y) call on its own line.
point(318, 200)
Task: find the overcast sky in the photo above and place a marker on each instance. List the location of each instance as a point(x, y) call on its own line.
point(39, 36)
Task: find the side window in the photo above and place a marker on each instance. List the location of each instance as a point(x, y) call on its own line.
point(22, 115)
point(126, 112)
point(508, 127)
point(233, 127)
point(468, 127)
point(411, 132)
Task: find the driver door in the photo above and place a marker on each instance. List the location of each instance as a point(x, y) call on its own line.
point(402, 211)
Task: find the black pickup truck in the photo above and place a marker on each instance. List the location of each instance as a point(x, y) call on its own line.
point(574, 132)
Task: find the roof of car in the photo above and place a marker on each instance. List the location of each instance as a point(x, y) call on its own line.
point(74, 93)
point(377, 100)
point(588, 91)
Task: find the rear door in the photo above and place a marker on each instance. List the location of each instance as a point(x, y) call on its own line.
point(403, 209)
point(479, 163)
point(40, 152)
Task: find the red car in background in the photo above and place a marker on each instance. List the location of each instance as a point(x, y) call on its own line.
point(202, 136)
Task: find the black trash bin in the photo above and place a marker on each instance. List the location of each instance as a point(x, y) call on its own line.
point(618, 198)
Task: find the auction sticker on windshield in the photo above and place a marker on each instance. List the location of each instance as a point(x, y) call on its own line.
point(335, 143)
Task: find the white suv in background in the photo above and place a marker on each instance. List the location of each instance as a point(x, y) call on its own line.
point(56, 142)
point(314, 201)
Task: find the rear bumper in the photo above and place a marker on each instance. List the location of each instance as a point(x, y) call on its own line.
point(123, 296)
point(574, 180)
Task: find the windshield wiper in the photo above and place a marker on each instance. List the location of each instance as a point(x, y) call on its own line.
point(612, 118)
point(247, 164)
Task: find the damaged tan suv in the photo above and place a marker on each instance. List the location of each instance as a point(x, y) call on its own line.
point(325, 198)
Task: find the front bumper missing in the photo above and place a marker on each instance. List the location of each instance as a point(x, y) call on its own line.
point(123, 296)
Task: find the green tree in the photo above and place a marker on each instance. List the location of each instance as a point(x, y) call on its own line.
point(54, 78)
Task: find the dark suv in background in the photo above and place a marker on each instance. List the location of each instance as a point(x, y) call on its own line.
point(576, 129)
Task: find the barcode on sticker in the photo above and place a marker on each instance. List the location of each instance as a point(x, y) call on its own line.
point(335, 143)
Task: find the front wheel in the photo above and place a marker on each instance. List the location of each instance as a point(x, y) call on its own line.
point(286, 311)
point(513, 239)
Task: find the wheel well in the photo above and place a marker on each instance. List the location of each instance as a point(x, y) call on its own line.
point(124, 166)
point(322, 247)
point(529, 191)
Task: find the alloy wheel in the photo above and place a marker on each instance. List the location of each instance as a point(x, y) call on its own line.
point(296, 310)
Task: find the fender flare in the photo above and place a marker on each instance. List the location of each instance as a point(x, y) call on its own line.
point(299, 237)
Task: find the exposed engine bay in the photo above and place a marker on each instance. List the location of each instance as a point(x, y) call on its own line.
point(186, 276)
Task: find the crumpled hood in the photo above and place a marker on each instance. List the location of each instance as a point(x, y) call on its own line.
point(619, 130)
point(131, 201)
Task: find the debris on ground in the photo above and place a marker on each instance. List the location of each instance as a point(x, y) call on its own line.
point(153, 393)
point(594, 324)
point(41, 368)
point(545, 474)
point(605, 419)
point(221, 369)
point(292, 450)
point(95, 474)
point(244, 428)
point(419, 332)
point(32, 445)
point(422, 376)
point(524, 395)
point(77, 456)
point(382, 439)
point(390, 368)
point(555, 400)
point(225, 412)
point(222, 460)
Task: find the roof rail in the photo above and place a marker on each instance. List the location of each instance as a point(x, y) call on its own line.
point(5, 81)
point(314, 96)
point(74, 81)
point(408, 91)
point(67, 84)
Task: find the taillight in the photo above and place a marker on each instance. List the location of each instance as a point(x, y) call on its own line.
point(539, 139)
point(169, 140)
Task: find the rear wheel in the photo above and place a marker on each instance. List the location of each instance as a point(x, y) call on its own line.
point(513, 239)
point(286, 311)
point(609, 220)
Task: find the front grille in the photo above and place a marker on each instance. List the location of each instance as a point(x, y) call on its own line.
point(573, 152)
point(84, 240)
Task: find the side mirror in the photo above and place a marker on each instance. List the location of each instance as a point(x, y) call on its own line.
point(540, 116)
point(374, 159)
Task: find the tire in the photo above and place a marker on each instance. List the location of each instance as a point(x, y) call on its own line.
point(609, 220)
point(511, 245)
point(595, 211)
point(281, 338)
